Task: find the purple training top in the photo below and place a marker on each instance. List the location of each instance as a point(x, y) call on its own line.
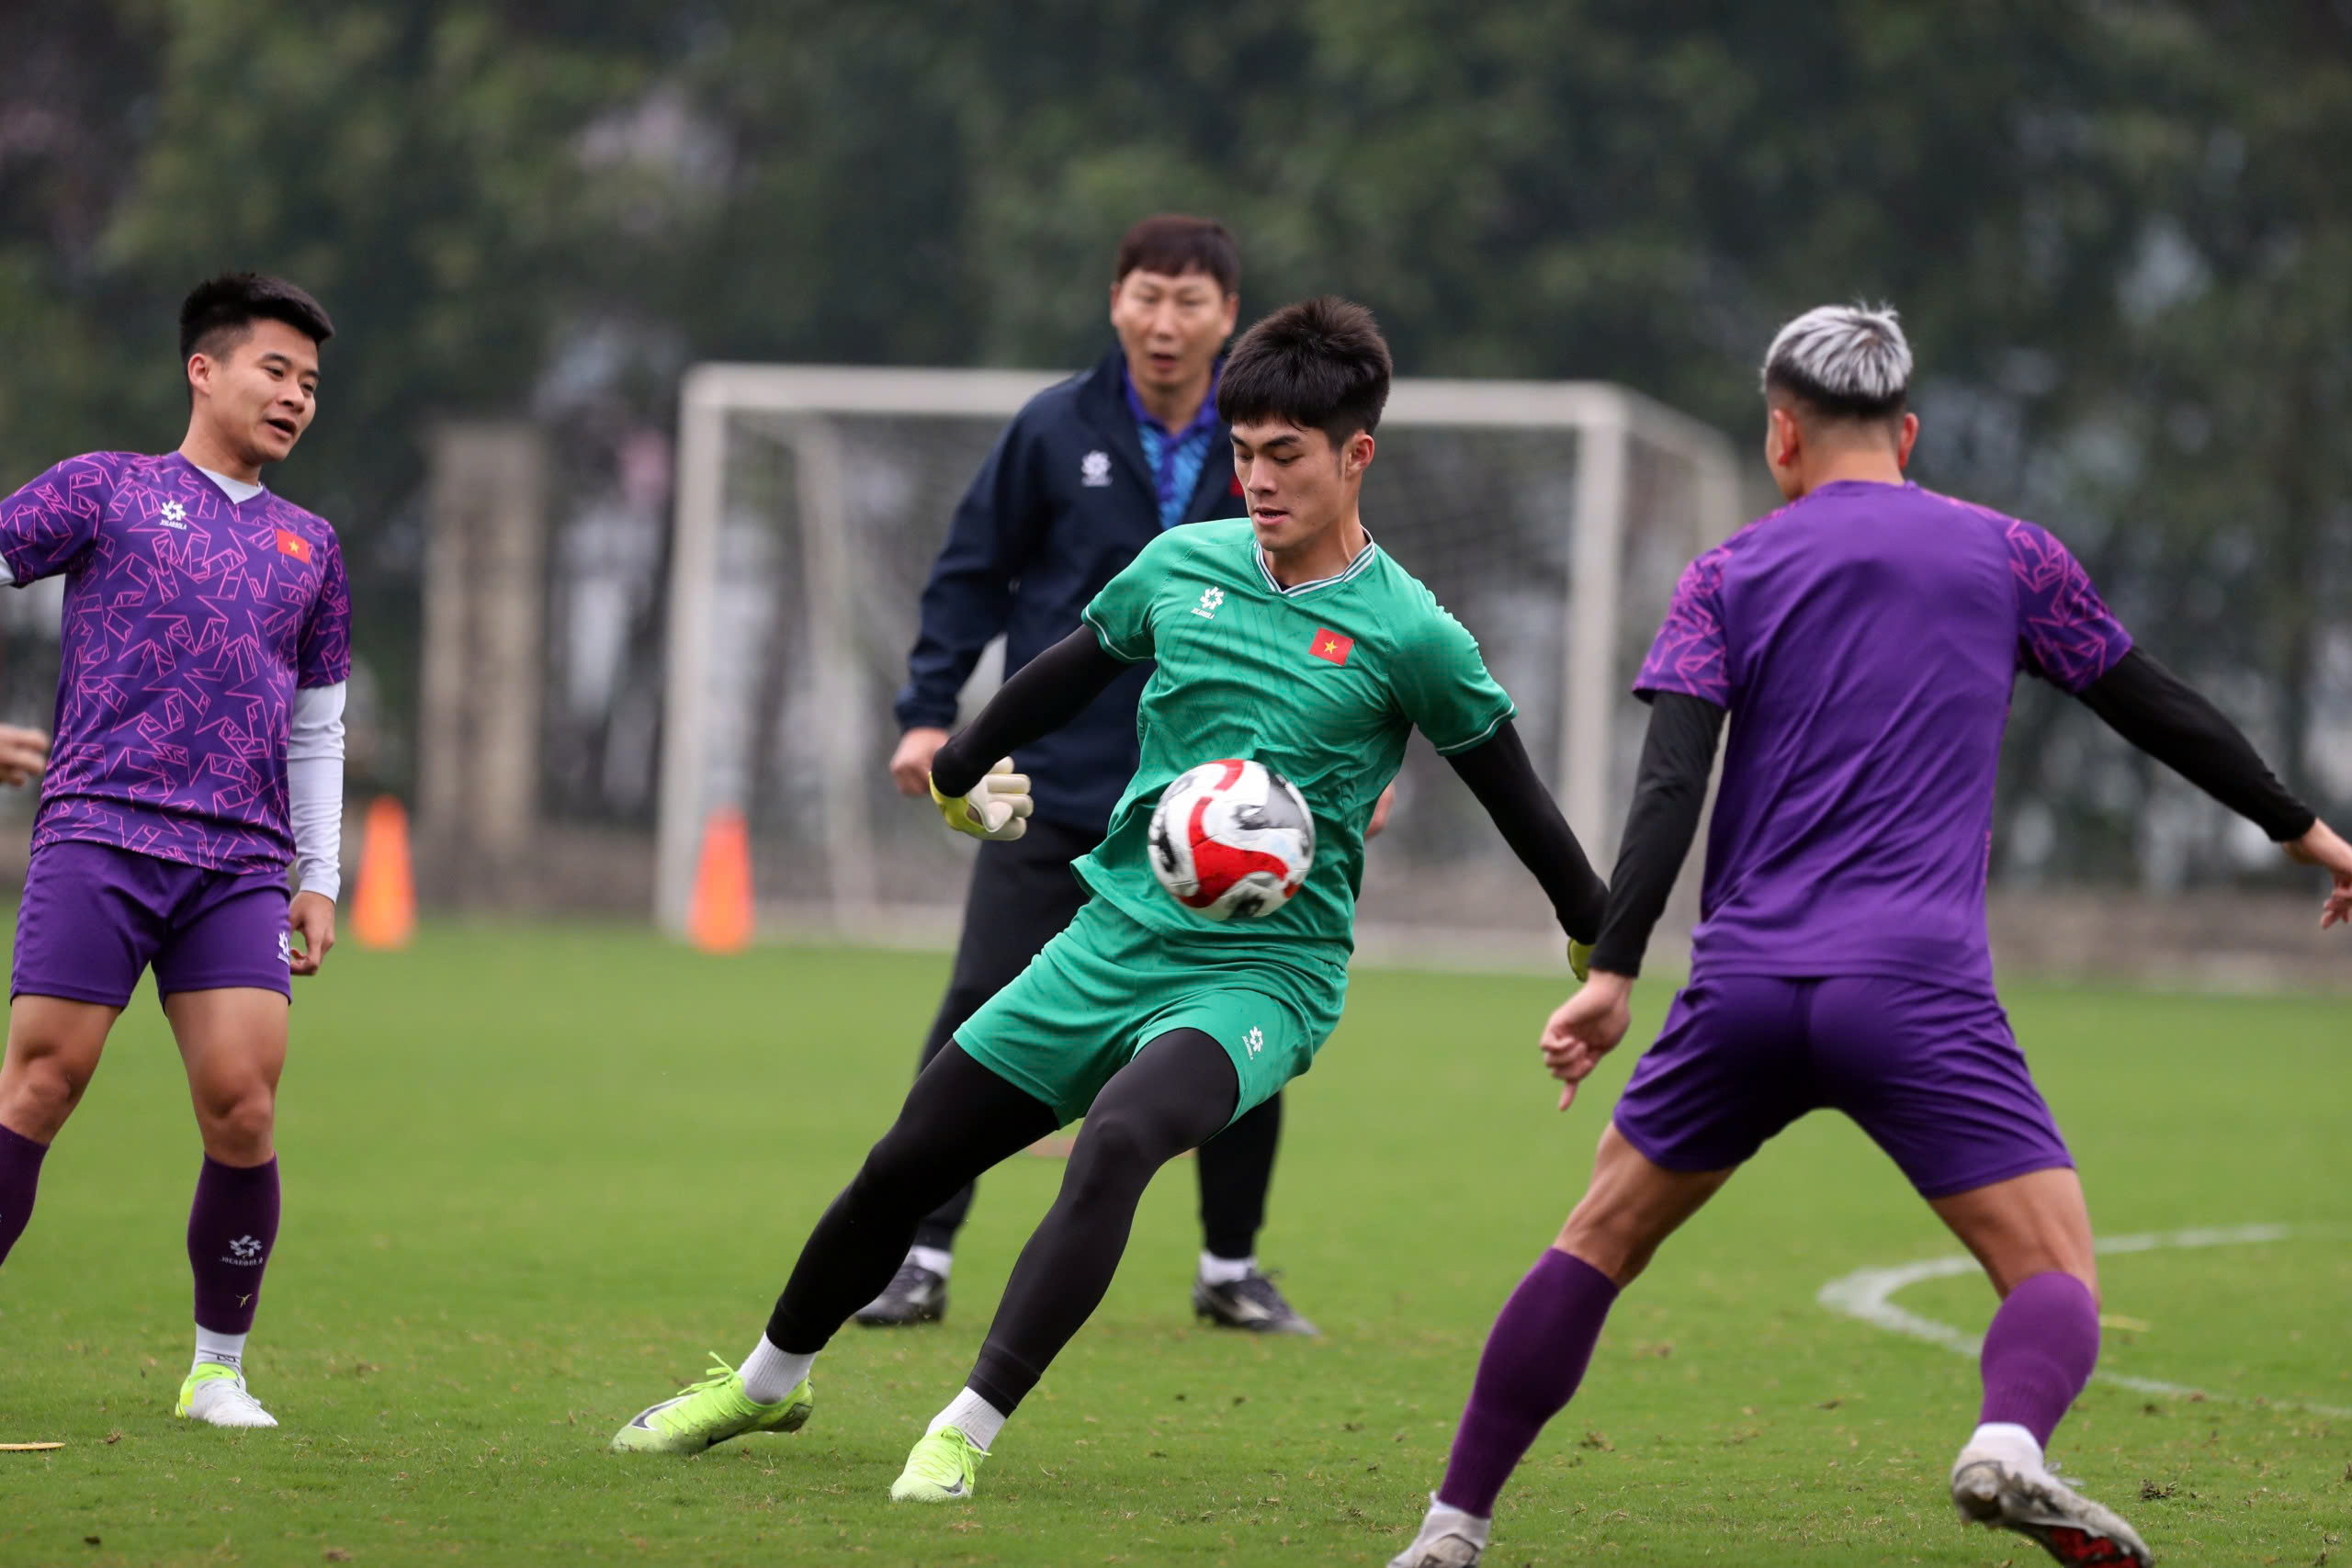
point(189, 622)
point(1864, 640)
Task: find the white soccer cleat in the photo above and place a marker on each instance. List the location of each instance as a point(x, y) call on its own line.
point(1449, 1538)
point(217, 1396)
point(1446, 1549)
point(1996, 1491)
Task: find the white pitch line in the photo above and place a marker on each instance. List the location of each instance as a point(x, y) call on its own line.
point(1867, 1295)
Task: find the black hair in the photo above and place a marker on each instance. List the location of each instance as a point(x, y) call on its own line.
point(1173, 245)
point(217, 312)
point(1321, 365)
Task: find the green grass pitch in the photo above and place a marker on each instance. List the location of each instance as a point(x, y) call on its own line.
point(532, 1175)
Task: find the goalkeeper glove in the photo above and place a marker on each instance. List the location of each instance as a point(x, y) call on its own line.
point(997, 808)
point(1580, 959)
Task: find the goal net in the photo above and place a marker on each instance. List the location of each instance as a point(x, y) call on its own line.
point(1552, 518)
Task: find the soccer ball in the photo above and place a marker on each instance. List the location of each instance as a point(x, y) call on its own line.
point(1231, 839)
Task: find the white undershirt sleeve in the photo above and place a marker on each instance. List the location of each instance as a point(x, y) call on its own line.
point(314, 787)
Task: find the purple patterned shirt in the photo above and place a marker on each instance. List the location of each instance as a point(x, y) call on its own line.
point(189, 622)
point(1864, 640)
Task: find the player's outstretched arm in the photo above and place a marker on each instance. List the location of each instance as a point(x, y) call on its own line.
point(2322, 847)
point(1670, 794)
point(1039, 698)
point(1499, 773)
point(2163, 716)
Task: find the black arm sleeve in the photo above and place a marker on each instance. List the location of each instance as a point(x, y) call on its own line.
point(1037, 699)
point(1668, 793)
point(2151, 708)
point(1500, 775)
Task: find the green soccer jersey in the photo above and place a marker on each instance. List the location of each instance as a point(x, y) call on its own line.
point(1321, 682)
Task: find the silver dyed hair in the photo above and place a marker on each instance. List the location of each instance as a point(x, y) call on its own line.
point(1852, 358)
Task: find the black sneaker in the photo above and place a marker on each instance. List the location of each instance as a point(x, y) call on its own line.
point(914, 1295)
point(1251, 1303)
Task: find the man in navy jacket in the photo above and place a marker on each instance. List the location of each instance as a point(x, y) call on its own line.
point(1086, 474)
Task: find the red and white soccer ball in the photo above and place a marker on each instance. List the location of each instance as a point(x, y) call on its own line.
point(1231, 840)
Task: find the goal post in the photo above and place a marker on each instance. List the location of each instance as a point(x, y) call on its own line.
point(1550, 516)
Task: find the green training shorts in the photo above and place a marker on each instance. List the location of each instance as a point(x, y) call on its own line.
point(1106, 988)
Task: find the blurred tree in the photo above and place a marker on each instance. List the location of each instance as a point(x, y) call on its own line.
point(2117, 229)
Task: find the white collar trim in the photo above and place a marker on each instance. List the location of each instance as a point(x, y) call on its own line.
point(1363, 559)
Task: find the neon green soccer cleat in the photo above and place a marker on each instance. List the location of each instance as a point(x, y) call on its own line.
point(708, 1413)
point(941, 1469)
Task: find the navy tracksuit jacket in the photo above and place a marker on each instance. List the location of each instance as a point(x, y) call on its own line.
point(1063, 503)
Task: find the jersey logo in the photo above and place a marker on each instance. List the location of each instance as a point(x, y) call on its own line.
point(1094, 469)
point(1255, 1040)
point(294, 544)
point(1210, 599)
point(172, 515)
point(1331, 647)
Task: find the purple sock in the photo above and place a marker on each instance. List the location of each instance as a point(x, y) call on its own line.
point(19, 1174)
point(1535, 1356)
point(2039, 1353)
point(230, 1228)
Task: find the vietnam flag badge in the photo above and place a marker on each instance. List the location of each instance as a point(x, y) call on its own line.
point(291, 544)
point(1330, 647)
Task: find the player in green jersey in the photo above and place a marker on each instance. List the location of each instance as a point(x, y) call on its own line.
point(1287, 636)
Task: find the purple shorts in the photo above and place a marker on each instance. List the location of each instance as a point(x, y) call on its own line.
point(1930, 1072)
point(94, 916)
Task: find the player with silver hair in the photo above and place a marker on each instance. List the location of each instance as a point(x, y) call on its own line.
point(1843, 359)
point(1866, 634)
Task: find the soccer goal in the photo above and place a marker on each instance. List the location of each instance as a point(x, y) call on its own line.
point(1552, 518)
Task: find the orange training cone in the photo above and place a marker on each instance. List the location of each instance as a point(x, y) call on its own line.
point(720, 919)
point(383, 910)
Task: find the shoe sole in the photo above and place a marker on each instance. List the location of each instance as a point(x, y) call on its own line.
point(901, 1320)
point(2003, 1501)
point(1296, 1326)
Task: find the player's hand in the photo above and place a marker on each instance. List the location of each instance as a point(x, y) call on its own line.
point(996, 810)
point(313, 916)
point(1585, 1028)
point(1379, 810)
point(2322, 847)
point(911, 764)
point(23, 754)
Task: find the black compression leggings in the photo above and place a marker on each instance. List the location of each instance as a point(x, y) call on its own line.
point(1176, 1094)
point(959, 1118)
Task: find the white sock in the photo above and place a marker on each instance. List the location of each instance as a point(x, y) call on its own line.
point(1444, 1521)
point(769, 1373)
point(975, 1417)
point(937, 1259)
point(223, 1350)
point(2009, 1442)
point(1215, 1270)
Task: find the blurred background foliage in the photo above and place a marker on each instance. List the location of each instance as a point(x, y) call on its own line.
point(2120, 234)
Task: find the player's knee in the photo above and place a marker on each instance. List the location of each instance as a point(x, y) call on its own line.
point(1608, 1239)
point(238, 1121)
point(1116, 1152)
point(41, 1090)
